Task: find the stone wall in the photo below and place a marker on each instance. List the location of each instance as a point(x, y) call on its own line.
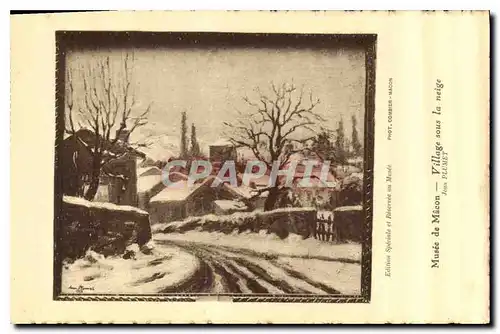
point(104, 227)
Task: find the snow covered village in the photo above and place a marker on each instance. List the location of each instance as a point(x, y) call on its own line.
point(131, 222)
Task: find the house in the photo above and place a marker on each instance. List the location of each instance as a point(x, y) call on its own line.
point(179, 200)
point(118, 175)
point(356, 162)
point(257, 202)
point(319, 191)
point(149, 185)
point(169, 204)
point(220, 152)
point(342, 171)
point(351, 190)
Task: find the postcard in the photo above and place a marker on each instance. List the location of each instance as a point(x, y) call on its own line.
point(250, 167)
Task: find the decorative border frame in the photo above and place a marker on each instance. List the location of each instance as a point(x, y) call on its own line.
point(72, 40)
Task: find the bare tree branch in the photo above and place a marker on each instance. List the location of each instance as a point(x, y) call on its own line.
point(271, 125)
point(101, 98)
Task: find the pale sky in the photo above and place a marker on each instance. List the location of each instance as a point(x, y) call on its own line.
point(209, 84)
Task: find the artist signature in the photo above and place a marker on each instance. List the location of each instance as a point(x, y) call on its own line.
point(81, 288)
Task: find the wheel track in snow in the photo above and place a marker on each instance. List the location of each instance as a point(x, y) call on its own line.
point(228, 270)
point(229, 274)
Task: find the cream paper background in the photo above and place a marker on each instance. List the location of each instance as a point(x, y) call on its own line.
point(414, 48)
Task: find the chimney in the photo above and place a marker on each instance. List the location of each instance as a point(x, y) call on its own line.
point(123, 135)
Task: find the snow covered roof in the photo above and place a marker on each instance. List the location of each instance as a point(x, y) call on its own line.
point(264, 194)
point(294, 209)
point(222, 142)
point(160, 154)
point(296, 157)
point(227, 205)
point(161, 147)
point(347, 170)
point(175, 192)
point(358, 175)
point(315, 173)
point(349, 208)
point(240, 191)
point(179, 191)
point(146, 171)
point(259, 181)
point(146, 183)
point(353, 178)
point(314, 182)
point(355, 160)
point(102, 205)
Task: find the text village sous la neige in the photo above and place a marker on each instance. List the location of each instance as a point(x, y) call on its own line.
point(439, 173)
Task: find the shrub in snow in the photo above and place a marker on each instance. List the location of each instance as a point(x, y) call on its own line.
point(129, 254)
point(92, 257)
point(131, 251)
point(348, 221)
point(147, 248)
point(133, 248)
point(351, 192)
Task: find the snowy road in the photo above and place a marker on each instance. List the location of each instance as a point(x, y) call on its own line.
point(226, 269)
point(215, 263)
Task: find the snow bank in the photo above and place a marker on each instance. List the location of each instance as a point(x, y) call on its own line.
point(280, 221)
point(349, 208)
point(164, 267)
point(344, 277)
point(230, 205)
point(101, 205)
point(270, 244)
point(305, 209)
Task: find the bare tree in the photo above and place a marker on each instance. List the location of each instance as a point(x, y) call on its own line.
point(105, 104)
point(275, 127)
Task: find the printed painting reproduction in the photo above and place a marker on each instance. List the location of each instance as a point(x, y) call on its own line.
point(214, 165)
